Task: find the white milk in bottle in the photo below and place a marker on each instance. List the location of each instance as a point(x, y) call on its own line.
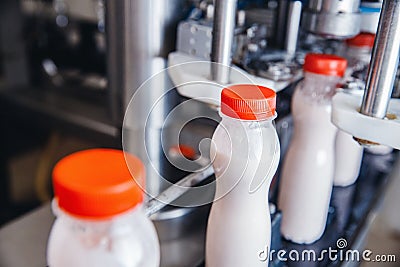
point(349, 152)
point(307, 174)
point(348, 158)
point(359, 49)
point(100, 218)
point(246, 153)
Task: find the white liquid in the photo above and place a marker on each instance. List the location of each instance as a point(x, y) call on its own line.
point(379, 149)
point(130, 241)
point(307, 174)
point(347, 159)
point(239, 226)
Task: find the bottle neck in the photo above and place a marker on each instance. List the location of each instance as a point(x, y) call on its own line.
point(358, 55)
point(320, 88)
point(250, 124)
point(60, 213)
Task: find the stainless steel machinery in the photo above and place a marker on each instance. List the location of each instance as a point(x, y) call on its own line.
point(89, 64)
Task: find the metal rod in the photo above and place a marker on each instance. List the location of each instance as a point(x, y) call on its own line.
point(293, 25)
point(223, 31)
point(281, 20)
point(176, 190)
point(116, 36)
point(384, 63)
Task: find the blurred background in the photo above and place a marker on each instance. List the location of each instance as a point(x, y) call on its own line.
point(68, 69)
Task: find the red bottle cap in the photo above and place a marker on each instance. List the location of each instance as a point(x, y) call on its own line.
point(248, 102)
point(362, 40)
point(324, 64)
point(98, 183)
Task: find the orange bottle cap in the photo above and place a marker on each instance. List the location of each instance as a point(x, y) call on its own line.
point(362, 40)
point(248, 102)
point(324, 64)
point(98, 183)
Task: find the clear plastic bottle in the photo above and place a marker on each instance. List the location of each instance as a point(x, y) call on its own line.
point(307, 174)
point(359, 49)
point(100, 221)
point(349, 153)
point(348, 158)
point(246, 154)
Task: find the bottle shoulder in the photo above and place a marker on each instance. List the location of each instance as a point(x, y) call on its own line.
point(234, 127)
point(130, 220)
point(253, 142)
point(316, 89)
point(72, 240)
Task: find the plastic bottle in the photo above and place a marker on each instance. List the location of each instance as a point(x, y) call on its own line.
point(359, 49)
point(246, 154)
point(307, 174)
point(100, 221)
point(349, 152)
point(348, 158)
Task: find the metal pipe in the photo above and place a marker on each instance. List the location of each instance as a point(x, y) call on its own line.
point(115, 58)
point(383, 68)
point(176, 190)
point(223, 31)
point(293, 25)
point(281, 19)
point(142, 33)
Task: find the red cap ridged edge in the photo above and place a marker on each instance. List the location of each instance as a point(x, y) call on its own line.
point(240, 107)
